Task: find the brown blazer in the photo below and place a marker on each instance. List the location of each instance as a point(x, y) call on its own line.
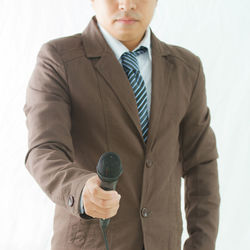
point(79, 104)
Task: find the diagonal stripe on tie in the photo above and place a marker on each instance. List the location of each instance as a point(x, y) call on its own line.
point(130, 66)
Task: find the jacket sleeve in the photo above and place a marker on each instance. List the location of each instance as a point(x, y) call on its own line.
point(50, 155)
point(199, 161)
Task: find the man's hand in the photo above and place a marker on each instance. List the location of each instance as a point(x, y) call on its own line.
point(97, 202)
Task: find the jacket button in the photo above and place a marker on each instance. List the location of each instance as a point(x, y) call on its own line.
point(145, 212)
point(149, 163)
point(71, 201)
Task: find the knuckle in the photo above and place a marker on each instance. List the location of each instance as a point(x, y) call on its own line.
point(102, 203)
point(113, 211)
point(106, 194)
point(116, 209)
point(95, 190)
point(109, 215)
point(115, 204)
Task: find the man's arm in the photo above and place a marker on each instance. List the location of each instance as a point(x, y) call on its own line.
point(199, 154)
point(50, 157)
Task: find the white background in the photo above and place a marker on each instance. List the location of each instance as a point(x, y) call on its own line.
point(218, 31)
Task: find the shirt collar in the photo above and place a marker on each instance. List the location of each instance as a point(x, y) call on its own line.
point(118, 47)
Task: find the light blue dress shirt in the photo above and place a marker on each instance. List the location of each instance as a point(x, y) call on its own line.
point(144, 62)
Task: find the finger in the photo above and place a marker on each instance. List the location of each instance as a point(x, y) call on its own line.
point(98, 192)
point(96, 180)
point(106, 204)
point(100, 213)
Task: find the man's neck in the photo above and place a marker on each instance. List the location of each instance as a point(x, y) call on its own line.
point(131, 45)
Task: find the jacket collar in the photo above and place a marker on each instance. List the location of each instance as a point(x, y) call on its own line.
point(92, 35)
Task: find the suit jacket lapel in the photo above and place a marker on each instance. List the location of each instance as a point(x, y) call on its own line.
point(161, 78)
point(111, 70)
point(115, 76)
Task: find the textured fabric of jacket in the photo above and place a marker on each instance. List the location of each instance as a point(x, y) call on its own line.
point(79, 105)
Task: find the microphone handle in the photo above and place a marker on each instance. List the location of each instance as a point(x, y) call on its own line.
point(108, 186)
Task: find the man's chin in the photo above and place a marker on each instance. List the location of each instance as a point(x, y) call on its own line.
point(124, 36)
point(123, 30)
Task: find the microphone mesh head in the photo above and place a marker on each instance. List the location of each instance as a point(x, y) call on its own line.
point(109, 167)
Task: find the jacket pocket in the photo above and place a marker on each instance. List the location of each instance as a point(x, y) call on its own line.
point(81, 231)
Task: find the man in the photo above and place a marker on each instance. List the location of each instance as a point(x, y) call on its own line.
point(90, 93)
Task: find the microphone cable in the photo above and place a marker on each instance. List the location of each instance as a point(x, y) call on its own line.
point(104, 226)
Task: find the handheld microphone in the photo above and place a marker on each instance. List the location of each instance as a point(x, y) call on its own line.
point(109, 169)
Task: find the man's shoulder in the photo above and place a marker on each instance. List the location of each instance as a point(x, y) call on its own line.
point(182, 55)
point(67, 47)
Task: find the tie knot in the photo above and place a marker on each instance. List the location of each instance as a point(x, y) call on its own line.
point(129, 60)
point(139, 51)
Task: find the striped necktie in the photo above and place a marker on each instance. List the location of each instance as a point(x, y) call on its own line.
point(130, 66)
